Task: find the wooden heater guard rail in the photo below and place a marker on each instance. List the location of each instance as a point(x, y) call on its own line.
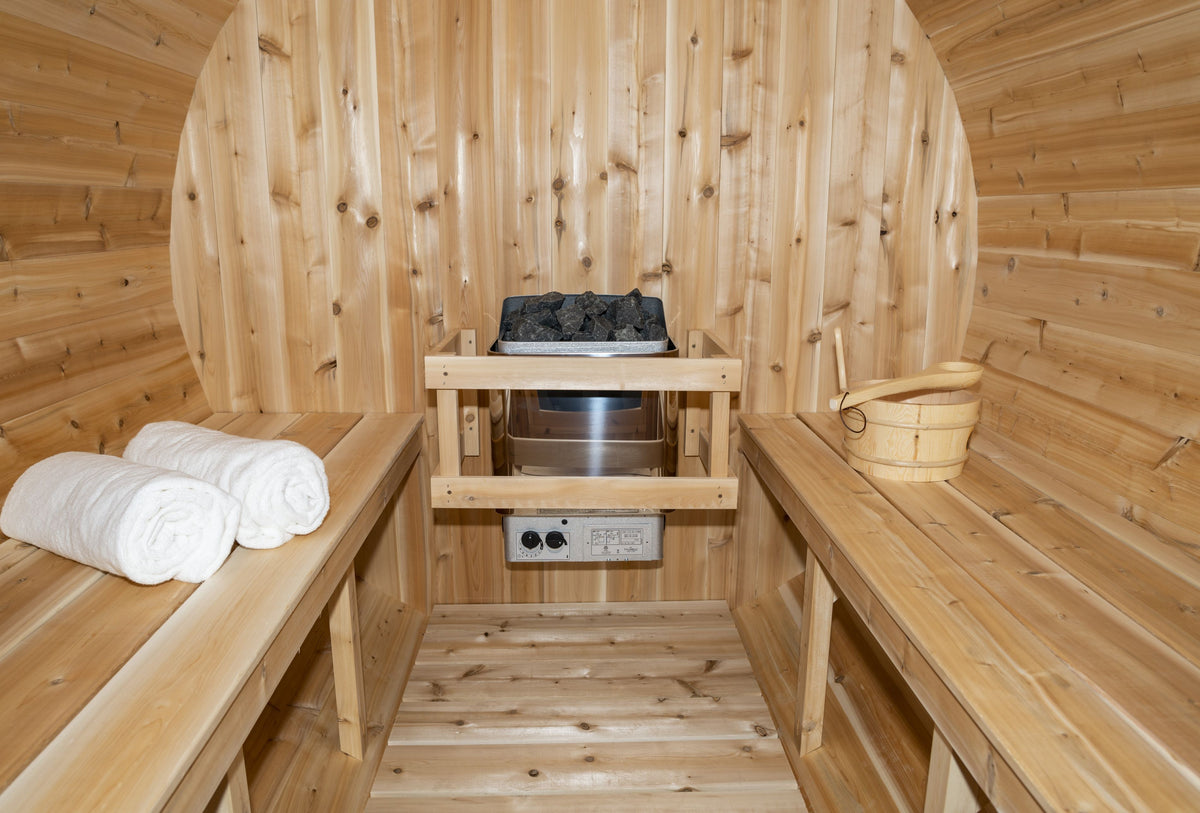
point(453, 365)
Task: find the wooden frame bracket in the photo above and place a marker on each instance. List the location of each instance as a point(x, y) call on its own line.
point(454, 366)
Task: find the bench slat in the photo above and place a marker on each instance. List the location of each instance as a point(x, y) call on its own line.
point(51, 675)
point(1155, 597)
point(131, 747)
point(1068, 747)
point(34, 590)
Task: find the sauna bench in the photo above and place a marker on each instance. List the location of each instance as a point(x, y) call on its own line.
point(117, 696)
point(1057, 660)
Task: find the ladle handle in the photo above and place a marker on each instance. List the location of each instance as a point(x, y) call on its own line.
point(947, 375)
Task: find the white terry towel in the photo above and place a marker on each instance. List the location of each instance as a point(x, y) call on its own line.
point(282, 485)
point(141, 522)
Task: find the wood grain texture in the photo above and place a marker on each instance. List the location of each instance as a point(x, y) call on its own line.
point(1089, 241)
point(366, 466)
point(515, 147)
point(1073, 703)
point(690, 714)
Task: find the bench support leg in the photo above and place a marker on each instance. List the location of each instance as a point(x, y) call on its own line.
point(814, 654)
point(233, 796)
point(948, 790)
point(347, 666)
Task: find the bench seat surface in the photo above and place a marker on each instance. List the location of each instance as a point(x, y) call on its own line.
point(111, 692)
point(1060, 661)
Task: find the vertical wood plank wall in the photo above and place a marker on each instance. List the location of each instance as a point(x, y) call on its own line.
point(92, 99)
point(356, 178)
point(1087, 304)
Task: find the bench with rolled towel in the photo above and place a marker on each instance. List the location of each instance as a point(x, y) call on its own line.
point(121, 696)
point(143, 522)
point(172, 507)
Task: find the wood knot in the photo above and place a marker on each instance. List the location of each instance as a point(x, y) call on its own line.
point(342, 206)
point(708, 192)
point(191, 195)
point(337, 308)
point(683, 132)
point(814, 337)
point(587, 262)
point(558, 184)
point(372, 222)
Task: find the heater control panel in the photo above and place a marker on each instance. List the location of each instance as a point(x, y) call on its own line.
point(583, 538)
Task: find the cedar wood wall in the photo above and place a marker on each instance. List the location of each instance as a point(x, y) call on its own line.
point(694, 153)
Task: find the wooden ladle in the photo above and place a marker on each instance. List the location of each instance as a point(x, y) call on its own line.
point(945, 375)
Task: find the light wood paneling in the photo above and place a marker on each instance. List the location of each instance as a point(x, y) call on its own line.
point(92, 99)
point(717, 154)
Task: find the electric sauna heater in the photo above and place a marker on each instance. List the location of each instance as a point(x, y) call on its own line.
point(584, 432)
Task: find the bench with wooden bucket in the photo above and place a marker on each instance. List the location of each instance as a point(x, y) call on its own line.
point(914, 427)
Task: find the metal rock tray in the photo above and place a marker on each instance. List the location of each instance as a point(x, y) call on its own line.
point(651, 304)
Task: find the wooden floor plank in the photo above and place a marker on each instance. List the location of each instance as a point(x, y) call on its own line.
point(574, 768)
point(787, 800)
point(678, 665)
point(584, 707)
point(590, 718)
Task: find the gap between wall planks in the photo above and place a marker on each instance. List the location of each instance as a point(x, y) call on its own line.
point(492, 149)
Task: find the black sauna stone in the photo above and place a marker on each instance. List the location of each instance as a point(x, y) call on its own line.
point(627, 312)
point(546, 302)
point(599, 328)
point(534, 327)
point(545, 318)
point(529, 331)
point(628, 333)
point(654, 332)
point(590, 303)
point(570, 318)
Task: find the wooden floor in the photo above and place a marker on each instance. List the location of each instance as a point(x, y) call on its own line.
point(583, 707)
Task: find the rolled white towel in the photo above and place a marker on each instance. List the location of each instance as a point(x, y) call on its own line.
point(145, 523)
point(282, 485)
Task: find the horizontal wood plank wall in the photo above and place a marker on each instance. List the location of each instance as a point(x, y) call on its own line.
point(351, 188)
point(1081, 122)
point(92, 100)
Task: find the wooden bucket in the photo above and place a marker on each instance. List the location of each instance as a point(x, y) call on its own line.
point(920, 438)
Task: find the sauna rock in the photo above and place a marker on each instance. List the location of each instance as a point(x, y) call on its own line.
point(588, 318)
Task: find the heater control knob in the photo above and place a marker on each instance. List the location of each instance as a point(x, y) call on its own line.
point(531, 539)
point(555, 540)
